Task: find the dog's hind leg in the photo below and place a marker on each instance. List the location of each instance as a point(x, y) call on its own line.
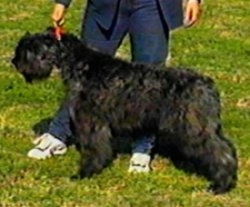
point(214, 157)
point(220, 164)
point(204, 144)
point(196, 144)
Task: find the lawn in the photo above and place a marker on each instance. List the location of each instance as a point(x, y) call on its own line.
point(218, 46)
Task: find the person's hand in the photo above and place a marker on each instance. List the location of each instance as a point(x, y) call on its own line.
point(58, 14)
point(192, 12)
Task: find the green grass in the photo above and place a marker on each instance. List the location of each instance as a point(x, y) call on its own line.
point(218, 46)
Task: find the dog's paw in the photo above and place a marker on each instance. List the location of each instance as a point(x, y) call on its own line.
point(139, 163)
point(216, 190)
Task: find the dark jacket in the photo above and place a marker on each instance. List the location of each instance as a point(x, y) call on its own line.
point(172, 11)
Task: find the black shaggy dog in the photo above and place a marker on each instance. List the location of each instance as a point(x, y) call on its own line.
point(112, 100)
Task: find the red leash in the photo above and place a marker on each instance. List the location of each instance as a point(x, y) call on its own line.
point(59, 31)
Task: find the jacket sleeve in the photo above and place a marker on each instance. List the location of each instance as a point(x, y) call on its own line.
point(66, 3)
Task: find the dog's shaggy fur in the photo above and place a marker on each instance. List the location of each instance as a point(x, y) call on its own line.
point(112, 100)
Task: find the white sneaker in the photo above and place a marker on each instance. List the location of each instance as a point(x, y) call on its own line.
point(47, 146)
point(139, 162)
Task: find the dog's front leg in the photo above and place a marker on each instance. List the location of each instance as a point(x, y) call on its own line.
point(96, 152)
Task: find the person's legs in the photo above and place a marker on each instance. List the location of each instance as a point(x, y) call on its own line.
point(149, 33)
point(60, 125)
point(96, 36)
point(149, 36)
point(152, 49)
point(108, 41)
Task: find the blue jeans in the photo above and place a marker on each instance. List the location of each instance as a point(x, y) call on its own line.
point(142, 20)
point(149, 38)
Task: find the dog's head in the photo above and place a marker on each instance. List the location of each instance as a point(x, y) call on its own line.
point(36, 55)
